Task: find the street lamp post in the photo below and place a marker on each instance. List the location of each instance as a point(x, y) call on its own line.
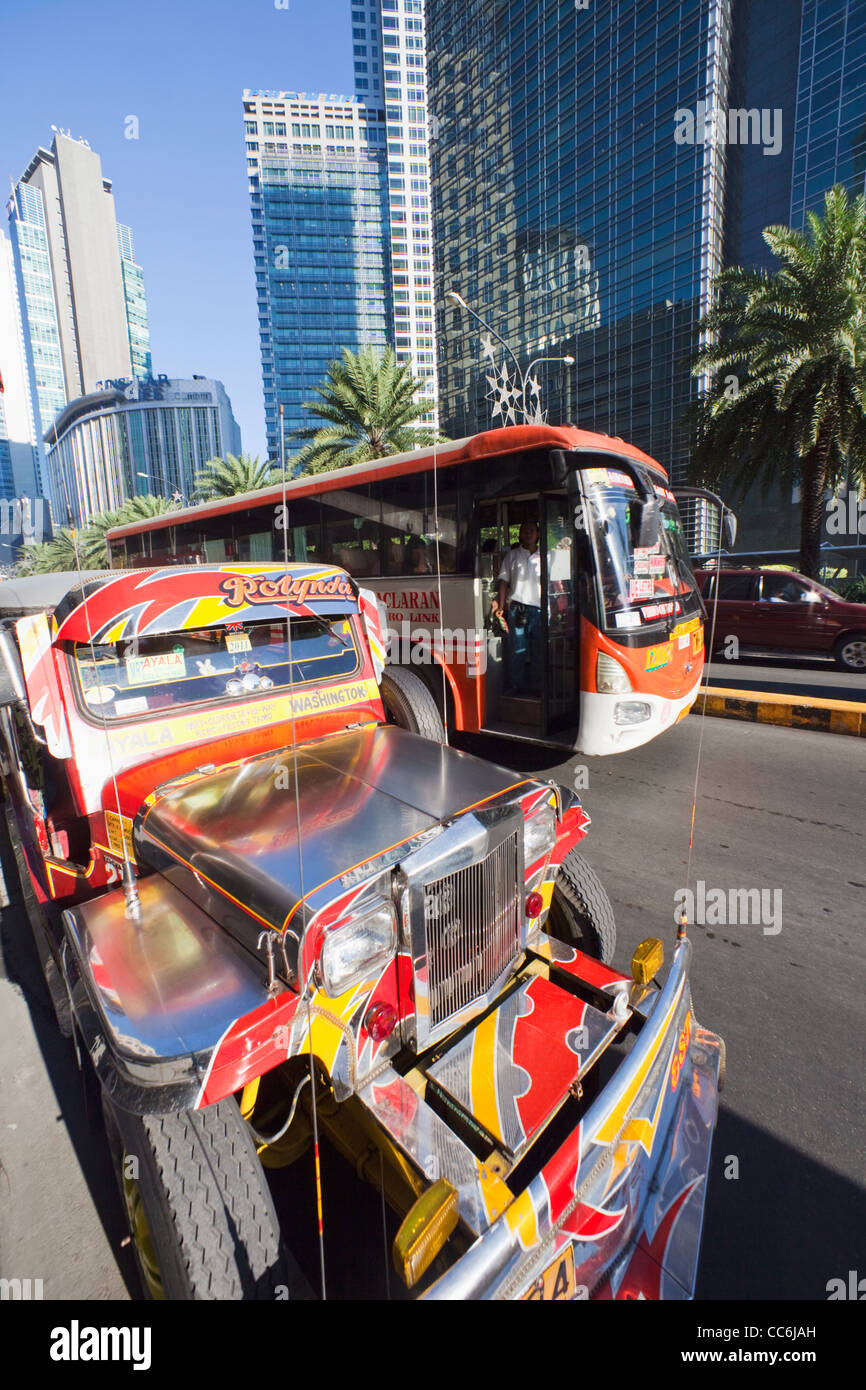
point(504, 393)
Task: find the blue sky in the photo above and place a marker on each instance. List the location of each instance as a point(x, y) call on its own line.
point(180, 68)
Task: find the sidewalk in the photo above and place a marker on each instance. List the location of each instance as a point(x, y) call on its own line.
point(793, 711)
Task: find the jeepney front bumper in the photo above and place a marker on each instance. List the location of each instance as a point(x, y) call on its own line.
point(616, 1210)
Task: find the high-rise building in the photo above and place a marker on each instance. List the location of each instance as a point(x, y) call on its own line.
point(130, 438)
point(81, 292)
point(594, 167)
point(317, 180)
point(390, 57)
point(20, 452)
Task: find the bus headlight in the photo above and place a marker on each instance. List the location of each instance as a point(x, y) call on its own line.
point(610, 677)
point(358, 948)
point(539, 835)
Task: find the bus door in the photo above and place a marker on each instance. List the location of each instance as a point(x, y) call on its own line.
point(536, 697)
point(560, 620)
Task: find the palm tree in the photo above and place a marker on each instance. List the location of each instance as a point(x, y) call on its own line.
point(787, 360)
point(369, 403)
point(94, 539)
point(229, 476)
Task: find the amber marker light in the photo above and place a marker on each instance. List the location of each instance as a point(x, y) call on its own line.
point(425, 1230)
point(647, 960)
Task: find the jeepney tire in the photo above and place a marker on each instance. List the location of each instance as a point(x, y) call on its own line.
point(580, 911)
point(210, 1215)
point(409, 704)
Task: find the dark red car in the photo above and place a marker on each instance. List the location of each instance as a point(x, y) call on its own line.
point(780, 610)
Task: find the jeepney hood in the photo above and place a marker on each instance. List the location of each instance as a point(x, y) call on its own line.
point(242, 842)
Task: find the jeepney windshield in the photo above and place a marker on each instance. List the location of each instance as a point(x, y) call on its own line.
point(637, 584)
point(143, 675)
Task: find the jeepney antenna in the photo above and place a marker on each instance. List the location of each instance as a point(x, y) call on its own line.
point(681, 927)
point(130, 889)
point(304, 984)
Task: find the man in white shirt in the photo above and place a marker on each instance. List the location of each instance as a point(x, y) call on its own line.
point(520, 596)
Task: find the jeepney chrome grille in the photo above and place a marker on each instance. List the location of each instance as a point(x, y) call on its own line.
point(472, 927)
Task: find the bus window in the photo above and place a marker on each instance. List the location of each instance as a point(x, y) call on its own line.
point(351, 528)
point(409, 527)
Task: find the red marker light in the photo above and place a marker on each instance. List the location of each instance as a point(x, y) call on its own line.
point(534, 904)
point(380, 1021)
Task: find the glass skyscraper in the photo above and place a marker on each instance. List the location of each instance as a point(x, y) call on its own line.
point(594, 167)
point(80, 290)
point(389, 51)
point(318, 191)
point(567, 214)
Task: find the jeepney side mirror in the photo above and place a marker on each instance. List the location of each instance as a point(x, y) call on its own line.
point(729, 528)
point(647, 521)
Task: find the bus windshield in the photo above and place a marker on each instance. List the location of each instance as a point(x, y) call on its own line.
point(637, 584)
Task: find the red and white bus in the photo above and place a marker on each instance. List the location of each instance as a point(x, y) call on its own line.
point(619, 653)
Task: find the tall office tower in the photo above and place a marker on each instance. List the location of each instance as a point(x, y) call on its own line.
point(85, 316)
point(20, 451)
point(596, 164)
point(389, 48)
point(136, 305)
point(318, 190)
point(566, 213)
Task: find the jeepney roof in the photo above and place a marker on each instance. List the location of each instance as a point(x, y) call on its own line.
point(170, 599)
point(118, 604)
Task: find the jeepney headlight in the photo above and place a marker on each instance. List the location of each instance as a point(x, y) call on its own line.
point(539, 835)
point(611, 678)
point(358, 948)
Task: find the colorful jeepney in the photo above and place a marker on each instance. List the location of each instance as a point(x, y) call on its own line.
point(274, 919)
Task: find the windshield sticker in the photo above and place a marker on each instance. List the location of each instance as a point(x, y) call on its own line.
point(628, 619)
point(134, 704)
point(643, 552)
point(100, 694)
point(657, 657)
point(238, 642)
point(142, 670)
point(657, 564)
point(640, 588)
point(659, 610)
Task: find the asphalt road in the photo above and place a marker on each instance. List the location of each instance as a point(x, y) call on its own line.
point(778, 809)
point(807, 676)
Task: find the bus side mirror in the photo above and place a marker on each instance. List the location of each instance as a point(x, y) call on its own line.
point(647, 522)
point(729, 528)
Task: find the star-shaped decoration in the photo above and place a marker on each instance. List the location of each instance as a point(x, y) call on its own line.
point(487, 349)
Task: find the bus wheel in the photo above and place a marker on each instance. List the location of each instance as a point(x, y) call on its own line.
point(200, 1214)
point(580, 911)
point(409, 704)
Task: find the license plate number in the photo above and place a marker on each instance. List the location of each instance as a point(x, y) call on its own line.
point(557, 1283)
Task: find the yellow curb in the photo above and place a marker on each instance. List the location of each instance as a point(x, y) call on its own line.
point(791, 711)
